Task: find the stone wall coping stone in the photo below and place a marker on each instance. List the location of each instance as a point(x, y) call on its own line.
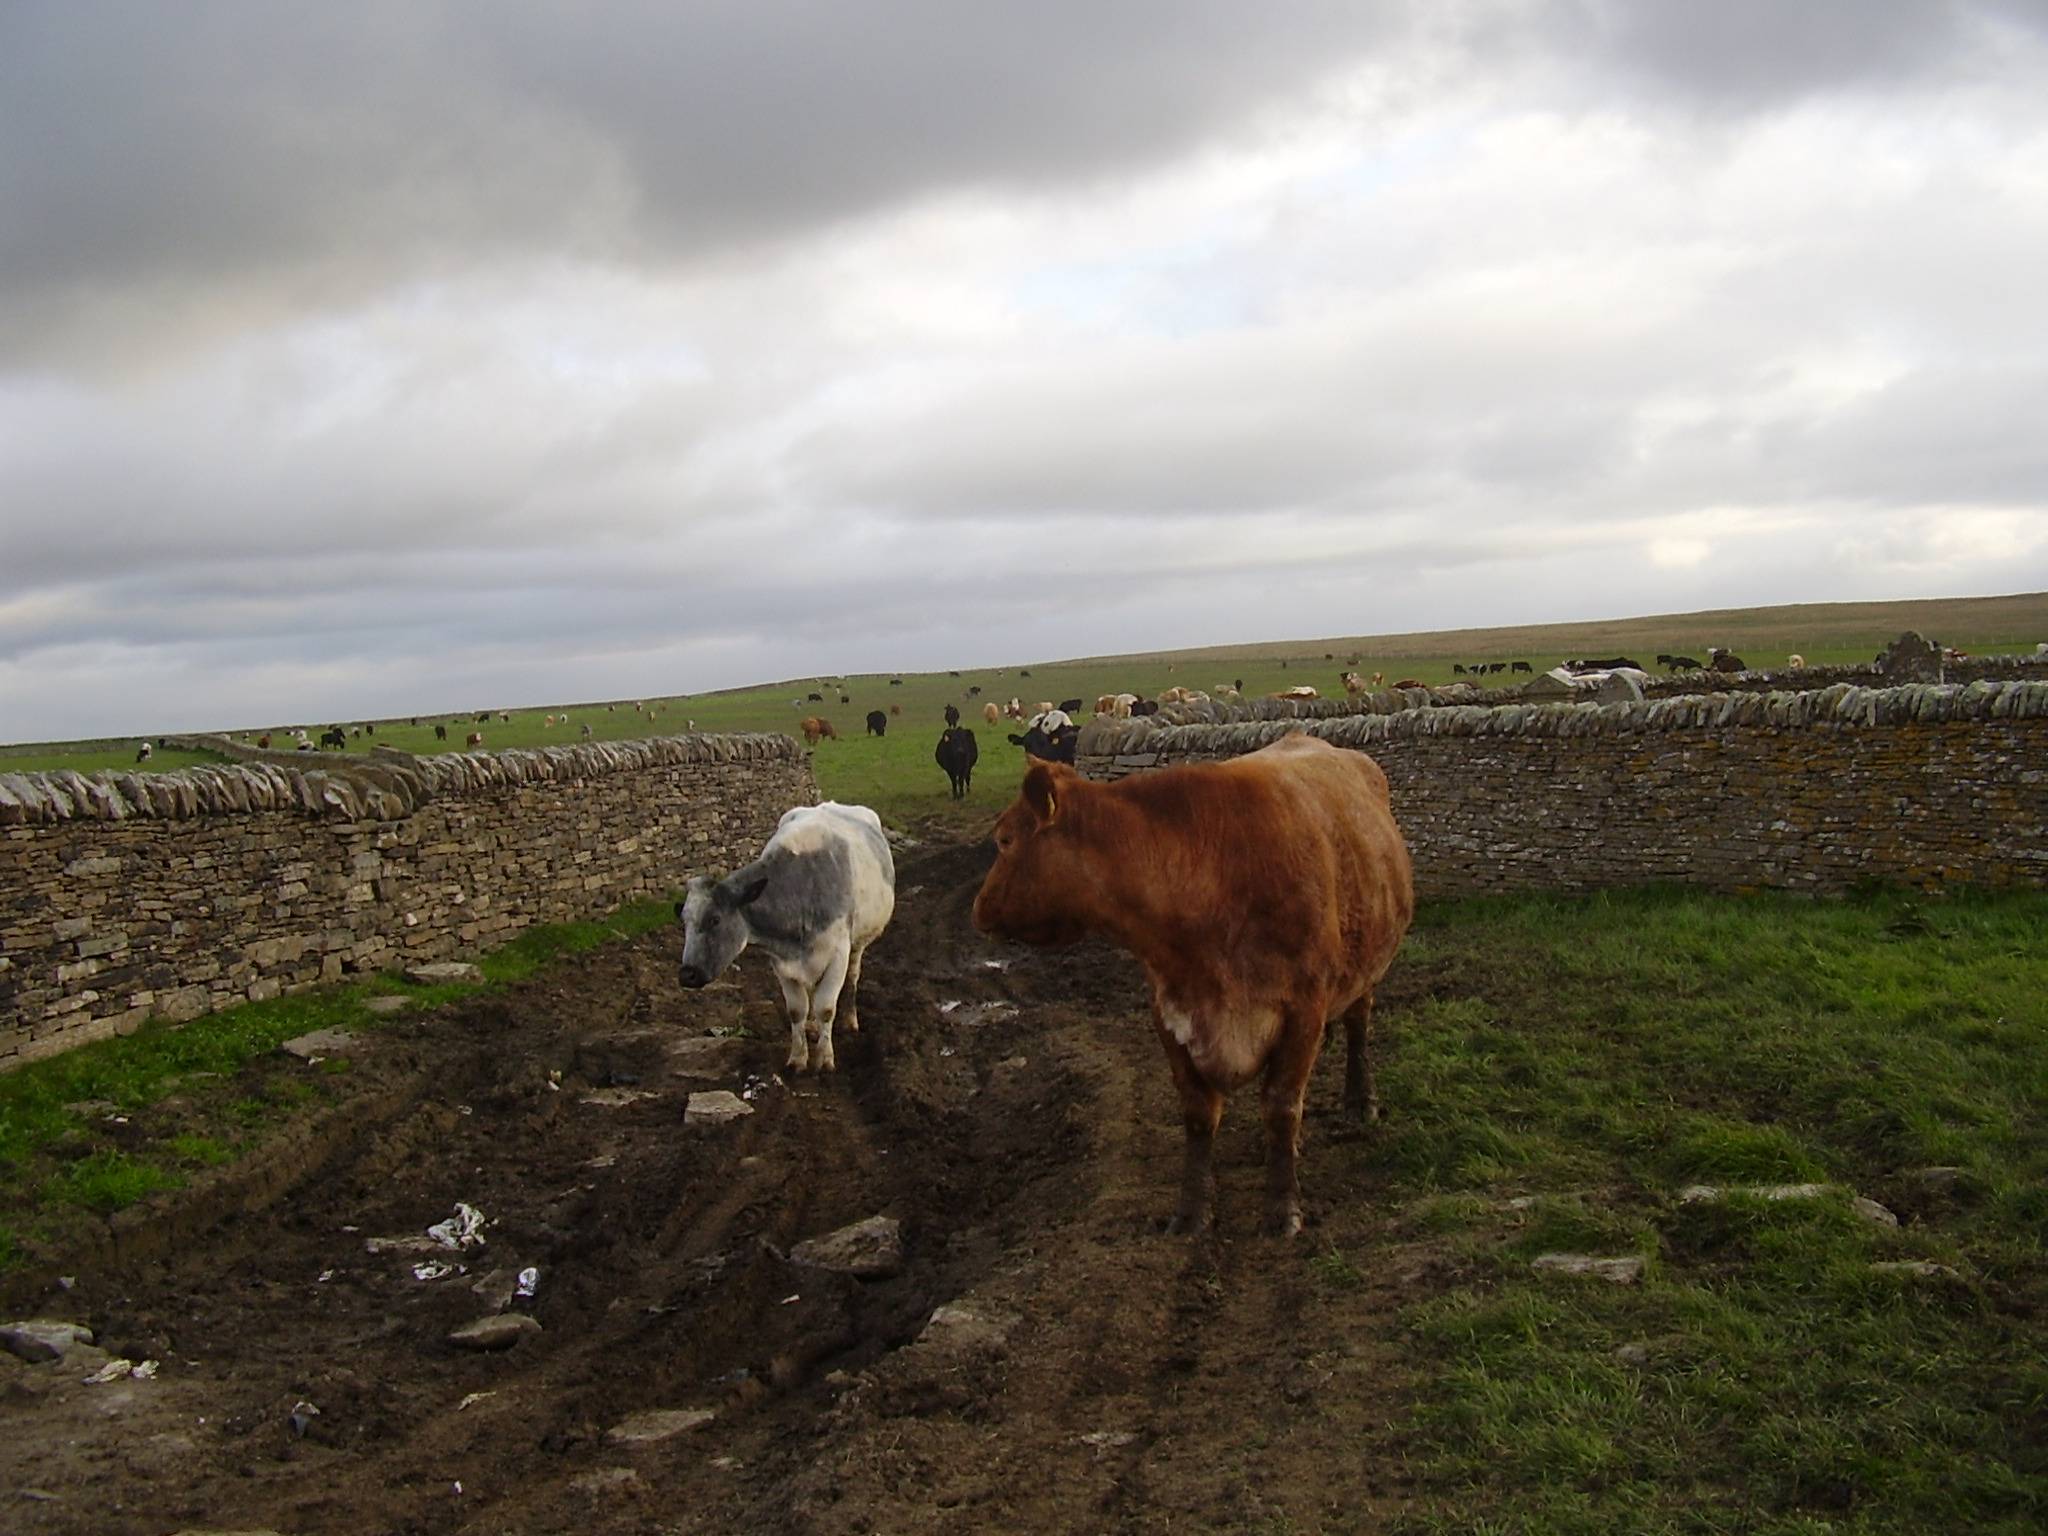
point(1839, 706)
point(388, 787)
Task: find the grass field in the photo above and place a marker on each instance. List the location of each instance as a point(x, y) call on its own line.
point(897, 776)
point(1568, 1068)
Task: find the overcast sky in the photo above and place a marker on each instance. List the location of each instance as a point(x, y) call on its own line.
point(416, 355)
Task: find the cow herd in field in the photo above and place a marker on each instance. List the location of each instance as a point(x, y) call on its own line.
point(1265, 897)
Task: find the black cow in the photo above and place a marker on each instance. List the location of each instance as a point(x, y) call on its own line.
point(952, 716)
point(1145, 707)
point(440, 733)
point(1610, 664)
point(957, 754)
point(878, 723)
point(815, 698)
point(1457, 669)
point(1056, 747)
point(334, 736)
point(1685, 664)
point(1721, 660)
point(1071, 706)
point(1522, 666)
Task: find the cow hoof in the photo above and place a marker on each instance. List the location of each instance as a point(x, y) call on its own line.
point(1281, 1224)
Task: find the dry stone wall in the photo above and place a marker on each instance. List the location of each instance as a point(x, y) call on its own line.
point(125, 896)
point(1926, 785)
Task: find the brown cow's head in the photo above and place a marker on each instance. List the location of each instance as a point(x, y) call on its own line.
point(1030, 894)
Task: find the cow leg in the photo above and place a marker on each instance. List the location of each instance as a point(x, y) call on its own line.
point(1201, 1111)
point(851, 992)
point(824, 1007)
point(796, 1001)
point(1287, 1074)
point(1361, 1092)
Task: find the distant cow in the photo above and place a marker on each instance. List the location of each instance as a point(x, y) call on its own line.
point(474, 739)
point(1721, 660)
point(143, 753)
point(1686, 664)
point(441, 732)
point(1265, 897)
point(1520, 666)
point(878, 723)
point(820, 893)
point(1302, 691)
point(1071, 706)
point(1610, 664)
point(814, 728)
point(814, 698)
point(992, 712)
point(957, 754)
point(334, 736)
point(952, 713)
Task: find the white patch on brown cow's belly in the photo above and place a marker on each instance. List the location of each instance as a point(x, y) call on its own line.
point(1226, 1049)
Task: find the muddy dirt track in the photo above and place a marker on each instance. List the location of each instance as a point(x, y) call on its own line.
point(1085, 1372)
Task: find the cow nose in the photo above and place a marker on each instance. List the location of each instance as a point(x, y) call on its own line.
point(693, 977)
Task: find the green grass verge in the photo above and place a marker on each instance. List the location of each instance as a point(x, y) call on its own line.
point(1560, 1071)
point(103, 1126)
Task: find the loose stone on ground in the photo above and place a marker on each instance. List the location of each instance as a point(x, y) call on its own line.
point(441, 973)
point(500, 1332)
point(717, 1107)
point(320, 1043)
point(659, 1424)
point(42, 1338)
point(869, 1250)
point(1616, 1271)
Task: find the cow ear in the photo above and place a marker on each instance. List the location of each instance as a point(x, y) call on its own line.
point(1040, 794)
point(749, 892)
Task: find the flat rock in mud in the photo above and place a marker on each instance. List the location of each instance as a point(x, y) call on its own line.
point(42, 1338)
point(321, 1042)
point(717, 1107)
point(868, 1250)
point(441, 972)
point(708, 1056)
point(391, 1004)
point(615, 1098)
point(960, 1327)
point(661, 1424)
point(500, 1332)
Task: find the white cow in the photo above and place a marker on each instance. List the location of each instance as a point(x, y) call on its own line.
point(820, 893)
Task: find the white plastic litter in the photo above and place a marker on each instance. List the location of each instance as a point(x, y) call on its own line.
point(465, 1229)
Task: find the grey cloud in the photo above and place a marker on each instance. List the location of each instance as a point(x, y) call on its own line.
point(1746, 54)
point(184, 164)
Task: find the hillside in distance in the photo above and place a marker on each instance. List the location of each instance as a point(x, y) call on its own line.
point(1981, 625)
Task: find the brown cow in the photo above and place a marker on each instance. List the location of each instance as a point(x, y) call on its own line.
point(813, 727)
point(1264, 896)
point(476, 739)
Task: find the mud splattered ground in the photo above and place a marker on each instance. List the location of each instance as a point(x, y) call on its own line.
point(1085, 1372)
